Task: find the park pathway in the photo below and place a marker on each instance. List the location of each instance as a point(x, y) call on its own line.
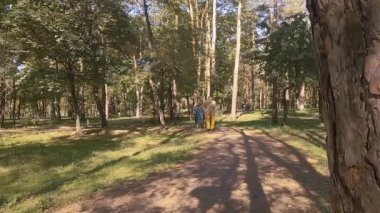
point(236, 171)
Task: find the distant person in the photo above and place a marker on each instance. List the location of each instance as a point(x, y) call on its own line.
point(210, 111)
point(199, 115)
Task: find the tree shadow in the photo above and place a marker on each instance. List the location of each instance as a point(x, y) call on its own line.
point(210, 196)
point(210, 179)
point(312, 138)
point(258, 199)
point(61, 152)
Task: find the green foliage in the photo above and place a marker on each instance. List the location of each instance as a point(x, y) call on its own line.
point(285, 50)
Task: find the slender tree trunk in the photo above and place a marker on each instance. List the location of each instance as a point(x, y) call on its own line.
point(52, 109)
point(253, 96)
point(301, 100)
point(82, 103)
point(105, 98)
point(170, 102)
point(14, 100)
point(19, 109)
point(2, 101)
point(213, 47)
point(194, 42)
point(99, 105)
point(151, 81)
point(235, 86)
point(286, 101)
point(74, 97)
point(208, 55)
point(275, 101)
point(346, 36)
point(138, 104)
point(58, 108)
point(261, 100)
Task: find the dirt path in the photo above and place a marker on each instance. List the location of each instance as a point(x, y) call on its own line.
point(238, 171)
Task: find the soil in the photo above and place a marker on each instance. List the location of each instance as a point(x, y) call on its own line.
point(235, 171)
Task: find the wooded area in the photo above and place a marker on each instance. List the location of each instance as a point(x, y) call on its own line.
point(104, 59)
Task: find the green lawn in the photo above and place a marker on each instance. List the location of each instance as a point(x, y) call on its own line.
point(40, 170)
point(303, 131)
point(47, 167)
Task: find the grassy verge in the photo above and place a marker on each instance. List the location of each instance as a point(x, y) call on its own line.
point(45, 166)
point(303, 131)
point(39, 171)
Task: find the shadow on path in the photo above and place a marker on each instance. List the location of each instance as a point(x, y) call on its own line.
point(236, 171)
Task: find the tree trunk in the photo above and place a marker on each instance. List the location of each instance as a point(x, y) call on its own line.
point(235, 86)
point(261, 100)
point(346, 36)
point(2, 101)
point(301, 100)
point(152, 84)
point(286, 101)
point(208, 55)
point(52, 109)
point(170, 102)
point(58, 107)
point(175, 101)
point(253, 97)
point(138, 104)
point(14, 100)
point(212, 49)
point(194, 43)
point(19, 109)
point(99, 105)
point(106, 101)
point(74, 97)
point(275, 101)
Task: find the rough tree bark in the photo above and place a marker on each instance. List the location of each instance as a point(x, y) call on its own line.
point(235, 87)
point(347, 40)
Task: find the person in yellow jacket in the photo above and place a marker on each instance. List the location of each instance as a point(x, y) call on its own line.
point(210, 109)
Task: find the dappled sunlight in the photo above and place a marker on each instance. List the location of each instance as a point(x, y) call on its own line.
point(236, 171)
point(57, 167)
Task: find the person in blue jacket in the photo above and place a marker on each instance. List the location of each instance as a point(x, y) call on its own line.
point(199, 114)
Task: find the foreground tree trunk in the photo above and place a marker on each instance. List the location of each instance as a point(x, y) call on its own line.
point(235, 86)
point(346, 36)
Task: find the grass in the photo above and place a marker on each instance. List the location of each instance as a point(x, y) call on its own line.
point(39, 171)
point(46, 166)
point(303, 131)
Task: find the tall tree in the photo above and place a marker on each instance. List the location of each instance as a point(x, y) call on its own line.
point(152, 83)
point(213, 46)
point(237, 60)
point(346, 36)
